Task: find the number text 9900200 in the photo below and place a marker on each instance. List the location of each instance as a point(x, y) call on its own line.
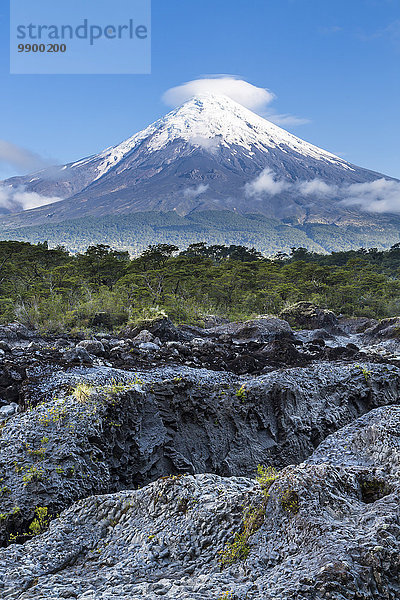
point(42, 48)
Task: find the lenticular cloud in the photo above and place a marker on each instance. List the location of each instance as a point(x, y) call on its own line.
point(246, 94)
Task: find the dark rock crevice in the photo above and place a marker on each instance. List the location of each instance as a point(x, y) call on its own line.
point(190, 422)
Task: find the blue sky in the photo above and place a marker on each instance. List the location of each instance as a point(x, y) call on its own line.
point(334, 64)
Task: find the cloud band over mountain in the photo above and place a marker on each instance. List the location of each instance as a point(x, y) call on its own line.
point(14, 199)
point(379, 196)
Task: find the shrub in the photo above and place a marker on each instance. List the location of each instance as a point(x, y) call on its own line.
point(241, 393)
point(83, 391)
point(290, 501)
point(266, 477)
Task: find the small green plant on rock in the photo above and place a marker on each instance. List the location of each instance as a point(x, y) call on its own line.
point(5, 516)
point(38, 454)
point(290, 501)
point(239, 549)
point(241, 393)
point(266, 477)
point(39, 524)
point(55, 414)
point(83, 391)
point(254, 516)
point(18, 468)
point(365, 372)
point(33, 474)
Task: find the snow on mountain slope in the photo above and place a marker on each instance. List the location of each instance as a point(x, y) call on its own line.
point(220, 121)
point(201, 156)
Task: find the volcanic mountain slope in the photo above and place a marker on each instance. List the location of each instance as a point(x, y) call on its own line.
point(208, 154)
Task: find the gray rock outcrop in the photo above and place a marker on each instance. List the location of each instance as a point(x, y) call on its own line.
point(105, 438)
point(306, 315)
point(387, 329)
point(263, 329)
point(148, 447)
point(338, 538)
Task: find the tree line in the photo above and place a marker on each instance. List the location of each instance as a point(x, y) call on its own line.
point(105, 288)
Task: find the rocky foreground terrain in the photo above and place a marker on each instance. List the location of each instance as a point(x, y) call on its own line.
point(129, 463)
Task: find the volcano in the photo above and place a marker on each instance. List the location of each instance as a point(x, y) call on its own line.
point(210, 154)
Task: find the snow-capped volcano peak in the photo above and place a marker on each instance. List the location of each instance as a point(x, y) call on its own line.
point(211, 153)
point(210, 121)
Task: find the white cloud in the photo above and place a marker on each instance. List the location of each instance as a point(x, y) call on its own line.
point(243, 92)
point(266, 183)
point(316, 186)
point(252, 97)
point(193, 192)
point(209, 144)
point(18, 199)
point(381, 196)
point(24, 161)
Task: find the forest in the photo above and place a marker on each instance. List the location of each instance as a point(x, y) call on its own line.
point(103, 288)
point(135, 232)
